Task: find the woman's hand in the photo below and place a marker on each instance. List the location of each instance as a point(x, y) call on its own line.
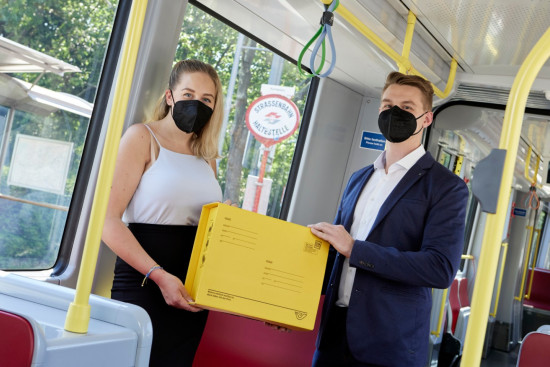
point(173, 291)
point(228, 202)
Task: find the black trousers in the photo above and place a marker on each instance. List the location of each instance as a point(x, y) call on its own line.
point(176, 333)
point(336, 352)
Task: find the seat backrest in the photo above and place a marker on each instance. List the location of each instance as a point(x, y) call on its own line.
point(16, 340)
point(463, 292)
point(539, 295)
point(535, 350)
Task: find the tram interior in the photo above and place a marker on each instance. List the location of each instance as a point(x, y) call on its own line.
point(488, 40)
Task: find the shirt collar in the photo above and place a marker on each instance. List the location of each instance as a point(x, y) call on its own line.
point(406, 162)
point(380, 161)
point(410, 159)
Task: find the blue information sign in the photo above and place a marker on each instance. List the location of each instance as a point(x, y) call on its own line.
point(372, 140)
point(520, 212)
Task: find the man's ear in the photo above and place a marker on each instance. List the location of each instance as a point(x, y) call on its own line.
point(428, 119)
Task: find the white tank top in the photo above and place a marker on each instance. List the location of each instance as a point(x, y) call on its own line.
point(173, 190)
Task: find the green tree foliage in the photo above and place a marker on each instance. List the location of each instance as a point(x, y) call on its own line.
point(205, 38)
point(76, 32)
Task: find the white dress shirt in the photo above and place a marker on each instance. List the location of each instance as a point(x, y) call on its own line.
point(374, 194)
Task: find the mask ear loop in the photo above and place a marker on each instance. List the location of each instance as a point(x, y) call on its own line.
point(174, 103)
point(421, 127)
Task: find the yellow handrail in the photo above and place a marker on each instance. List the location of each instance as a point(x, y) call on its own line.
point(533, 179)
point(499, 285)
point(78, 315)
point(437, 332)
point(402, 61)
point(533, 264)
point(405, 65)
point(525, 264)
point(460, 156)
point(492, 236)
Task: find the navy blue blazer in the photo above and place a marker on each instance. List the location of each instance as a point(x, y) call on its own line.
point(415, 244)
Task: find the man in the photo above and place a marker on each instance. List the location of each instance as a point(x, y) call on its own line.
point(398, 232)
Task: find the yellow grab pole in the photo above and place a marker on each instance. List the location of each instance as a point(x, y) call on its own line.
point(399, 59)
point(460, 159)
point(499, 285)
point(533, 264)
point(450, 80)
point(405, 67)
point(519, 297)
point(437, 331)
point(368, 33)
point(78, 315)
point(533, 179)
point(492, 236)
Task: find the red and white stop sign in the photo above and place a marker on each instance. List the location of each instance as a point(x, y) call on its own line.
point(272, 118)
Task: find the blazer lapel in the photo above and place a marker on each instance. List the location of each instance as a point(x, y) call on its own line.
point(411, 177)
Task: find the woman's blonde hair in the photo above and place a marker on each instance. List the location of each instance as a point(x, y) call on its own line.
point(205, 143)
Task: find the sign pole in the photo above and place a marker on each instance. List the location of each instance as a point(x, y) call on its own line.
point(271, 118)
point(260, 181)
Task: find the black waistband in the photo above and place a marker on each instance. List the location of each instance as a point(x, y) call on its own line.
point(165, 228)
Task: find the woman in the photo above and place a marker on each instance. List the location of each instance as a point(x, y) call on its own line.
point(165, 172)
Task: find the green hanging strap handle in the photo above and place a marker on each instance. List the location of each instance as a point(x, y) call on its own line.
point(324, 30)
point(299, 64)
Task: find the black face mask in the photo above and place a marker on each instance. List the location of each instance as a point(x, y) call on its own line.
point(398, 125)
point(190, 116)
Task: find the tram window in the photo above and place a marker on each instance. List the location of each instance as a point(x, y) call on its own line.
point(3, 119)
point(538, 235)
point(43, 124)
point(206, 38)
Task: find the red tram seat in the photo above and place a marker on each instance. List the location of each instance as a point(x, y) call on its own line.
point(463, 292)
point(234, 341)
point(540, 296)
point(454, 302)
point(535, 350)
point(16, 340)
point(459, 303)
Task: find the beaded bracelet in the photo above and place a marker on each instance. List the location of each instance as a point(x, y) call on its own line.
point(155, 267)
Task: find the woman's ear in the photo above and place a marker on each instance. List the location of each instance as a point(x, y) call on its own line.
point(168, 97)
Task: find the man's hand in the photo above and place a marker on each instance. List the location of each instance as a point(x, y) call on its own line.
point(336, 235)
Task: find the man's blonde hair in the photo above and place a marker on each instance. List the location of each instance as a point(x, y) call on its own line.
point(418, 82)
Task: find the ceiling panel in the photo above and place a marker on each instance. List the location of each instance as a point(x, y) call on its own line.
point(487, 38)
point(491, 37)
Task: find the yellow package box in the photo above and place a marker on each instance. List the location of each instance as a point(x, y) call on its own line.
point(256, 266)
